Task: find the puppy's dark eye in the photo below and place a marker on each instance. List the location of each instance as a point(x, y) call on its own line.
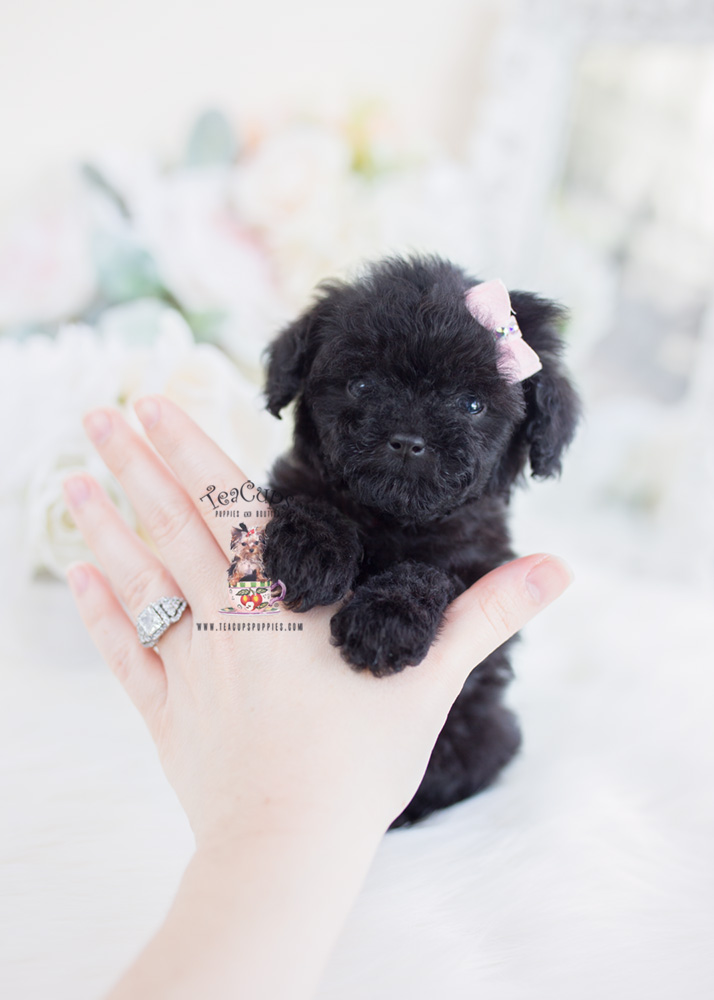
point(472, 405)
point(359, 386)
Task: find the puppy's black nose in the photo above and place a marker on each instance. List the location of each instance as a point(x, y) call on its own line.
point(407, 445)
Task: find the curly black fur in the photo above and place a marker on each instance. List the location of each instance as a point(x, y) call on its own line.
point(399, 490)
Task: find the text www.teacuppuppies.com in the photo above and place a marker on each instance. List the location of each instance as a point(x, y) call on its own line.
point(253, 626)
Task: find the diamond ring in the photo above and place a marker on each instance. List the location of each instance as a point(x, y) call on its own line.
point(156, 618)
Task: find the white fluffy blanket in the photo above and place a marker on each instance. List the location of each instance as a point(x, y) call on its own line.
point(587, 872)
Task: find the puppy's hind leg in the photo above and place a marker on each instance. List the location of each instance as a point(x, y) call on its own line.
point(480, 736)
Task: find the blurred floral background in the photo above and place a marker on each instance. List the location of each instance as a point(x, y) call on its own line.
point(133, 276)
point(582, 169)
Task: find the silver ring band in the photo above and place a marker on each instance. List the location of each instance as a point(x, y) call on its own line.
point(157, 617)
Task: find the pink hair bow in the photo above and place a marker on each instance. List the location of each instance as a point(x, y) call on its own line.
point(490, 304)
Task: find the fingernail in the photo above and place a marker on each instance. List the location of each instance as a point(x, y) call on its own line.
point(548, 579)
point(76, 489)
point(147, 410)
point(78, 577)
point(98, 426)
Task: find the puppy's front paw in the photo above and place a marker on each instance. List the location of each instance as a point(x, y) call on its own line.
point(314, 550)
point(392, 620)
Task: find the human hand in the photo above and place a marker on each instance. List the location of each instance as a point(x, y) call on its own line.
point(262, 729)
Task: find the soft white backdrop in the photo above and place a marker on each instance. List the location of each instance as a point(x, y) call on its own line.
point(566, 147)
point(77, 75)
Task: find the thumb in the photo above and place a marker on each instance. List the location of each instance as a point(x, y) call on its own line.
point(494, 609)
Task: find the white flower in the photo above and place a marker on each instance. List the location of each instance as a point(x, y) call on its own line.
point(301, 165)
point(46, 271)
point(298, 193)
point(320, 218)
point(54, 541)
point(47, 386)
point(205, 254)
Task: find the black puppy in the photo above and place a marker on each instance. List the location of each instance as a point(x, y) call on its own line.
point(419, 406)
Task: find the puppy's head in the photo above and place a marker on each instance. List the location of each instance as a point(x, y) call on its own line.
point(401, 398)
point(246, 543)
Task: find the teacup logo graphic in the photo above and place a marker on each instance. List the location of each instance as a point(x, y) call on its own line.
point(251, 591)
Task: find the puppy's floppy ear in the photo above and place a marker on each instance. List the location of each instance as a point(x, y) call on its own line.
point(552, 407)
point(289, 358)
point(552, 404)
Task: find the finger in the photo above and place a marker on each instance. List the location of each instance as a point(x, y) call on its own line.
point(139, 670)
point(221, 491)
point(494, 609)
point(184, 544)
point(136, 575)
